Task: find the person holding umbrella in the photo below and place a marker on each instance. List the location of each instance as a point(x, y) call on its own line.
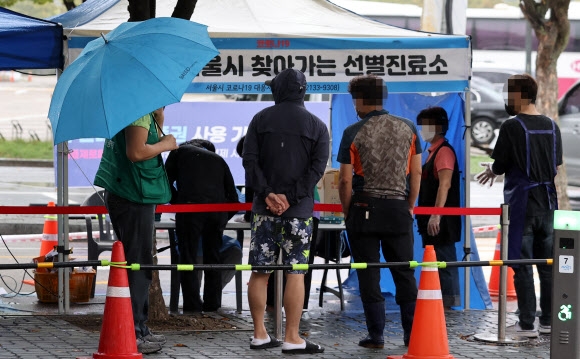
point(134, 178)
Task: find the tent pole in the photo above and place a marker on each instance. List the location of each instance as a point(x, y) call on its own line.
point(63, 230)
point(467, 219)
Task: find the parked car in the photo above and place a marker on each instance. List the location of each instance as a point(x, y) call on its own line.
point(569, 114)
point(497, 76)
point(487, 111)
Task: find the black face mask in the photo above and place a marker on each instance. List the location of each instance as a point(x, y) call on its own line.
point(510, 110)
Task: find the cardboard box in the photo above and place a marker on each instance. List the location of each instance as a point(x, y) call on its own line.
point(328, 190)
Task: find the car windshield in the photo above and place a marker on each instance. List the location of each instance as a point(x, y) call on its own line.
point(486, 91)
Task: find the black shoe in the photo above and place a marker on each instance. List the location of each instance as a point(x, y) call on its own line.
point(371, 343)
point(310, 348)
point(273, 343)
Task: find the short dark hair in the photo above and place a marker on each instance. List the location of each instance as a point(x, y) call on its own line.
point(201, 143)
point(437, 114)
point(370, 88)
point(240, 146)
point(524, 84)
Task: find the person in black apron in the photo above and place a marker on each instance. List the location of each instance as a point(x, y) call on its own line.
point(440, 188)
point(528, 151)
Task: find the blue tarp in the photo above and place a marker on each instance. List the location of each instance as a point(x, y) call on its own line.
point(409, 106)
point(29, 43)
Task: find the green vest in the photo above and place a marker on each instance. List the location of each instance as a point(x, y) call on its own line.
point(140, 182)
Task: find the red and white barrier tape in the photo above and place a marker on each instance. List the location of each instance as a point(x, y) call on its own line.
point(485, 229)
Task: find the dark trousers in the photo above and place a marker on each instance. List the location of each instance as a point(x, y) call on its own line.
point(448, 277)
point(373, 224)
point(537, 243)
point(190, 228)
point(271, 291)
point(134, 225)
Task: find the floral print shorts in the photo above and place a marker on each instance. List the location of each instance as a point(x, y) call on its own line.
point(269, 234)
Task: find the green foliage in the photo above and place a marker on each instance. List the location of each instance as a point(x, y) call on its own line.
point(37, 8)
point(475, 160)
point(35, 150)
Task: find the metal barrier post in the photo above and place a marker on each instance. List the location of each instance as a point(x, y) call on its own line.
point(500, 337)
point(278, 285)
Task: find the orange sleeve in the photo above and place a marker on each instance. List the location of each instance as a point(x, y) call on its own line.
point(355, 160)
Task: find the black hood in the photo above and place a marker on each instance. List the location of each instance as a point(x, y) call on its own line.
point(288, 85)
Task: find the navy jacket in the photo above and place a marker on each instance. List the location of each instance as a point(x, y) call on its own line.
point(286, 149)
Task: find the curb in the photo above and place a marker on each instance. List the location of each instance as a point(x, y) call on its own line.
point(25, 163)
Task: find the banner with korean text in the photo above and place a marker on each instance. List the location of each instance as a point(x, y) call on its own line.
point(408, 65)
point(222, 123)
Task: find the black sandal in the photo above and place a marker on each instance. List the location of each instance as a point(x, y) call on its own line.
point(311, 348)
point(273, 343)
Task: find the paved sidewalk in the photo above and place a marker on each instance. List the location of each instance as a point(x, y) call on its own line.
point(39, 336)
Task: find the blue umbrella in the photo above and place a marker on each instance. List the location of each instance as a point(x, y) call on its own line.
point(136, 68)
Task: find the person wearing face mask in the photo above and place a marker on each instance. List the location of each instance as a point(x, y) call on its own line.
point(379, 178)
point(440, 188)
point(528, 151)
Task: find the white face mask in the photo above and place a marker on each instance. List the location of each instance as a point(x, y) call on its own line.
point(428, 132)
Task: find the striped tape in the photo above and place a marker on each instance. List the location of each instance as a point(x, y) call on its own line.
point(429, 294)
point(485, 229)
point(118, 292)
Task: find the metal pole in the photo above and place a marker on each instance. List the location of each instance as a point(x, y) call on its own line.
point(502, 305)
point(528, 47)
point(467, 219)
point(501, 312)
point(278, 285)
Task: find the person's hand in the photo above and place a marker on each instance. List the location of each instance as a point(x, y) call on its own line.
point(284, 200)
point(433, 225)
point(486, 175)
point(169, 142)
point(275, 204)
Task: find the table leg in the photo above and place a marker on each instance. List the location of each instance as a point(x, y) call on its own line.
point(240, 238)
point(175, 285)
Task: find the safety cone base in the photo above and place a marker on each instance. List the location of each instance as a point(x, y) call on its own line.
point(493, 286)
point(407, 356)
point(429, 333)
point(118, 340)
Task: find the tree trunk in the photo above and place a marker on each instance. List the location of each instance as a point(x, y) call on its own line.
point(184, 9)
point(157, 308)
point(553, 35)
point(140, 10)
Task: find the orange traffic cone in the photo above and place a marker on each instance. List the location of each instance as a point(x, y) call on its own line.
point(49, 237)
point(11, 76)
point(118, 331)
point(494, 277)
point(49, 233)
point(429, 333)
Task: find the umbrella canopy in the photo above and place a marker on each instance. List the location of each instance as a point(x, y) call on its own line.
point(135, 69)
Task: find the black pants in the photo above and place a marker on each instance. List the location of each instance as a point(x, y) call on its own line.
point(190, 228)
point(134, 225)
point(374, 224)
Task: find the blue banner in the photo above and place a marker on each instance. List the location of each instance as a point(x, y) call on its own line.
point(222, 123)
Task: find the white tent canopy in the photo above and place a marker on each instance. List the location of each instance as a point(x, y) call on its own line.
point(259, 38)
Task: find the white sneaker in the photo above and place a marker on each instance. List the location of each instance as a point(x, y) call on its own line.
point(545, 329)
point(517, 330)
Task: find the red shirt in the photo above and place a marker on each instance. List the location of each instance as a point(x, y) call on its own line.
point(445, 159)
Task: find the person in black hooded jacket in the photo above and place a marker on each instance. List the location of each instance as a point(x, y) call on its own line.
point(285, 154)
